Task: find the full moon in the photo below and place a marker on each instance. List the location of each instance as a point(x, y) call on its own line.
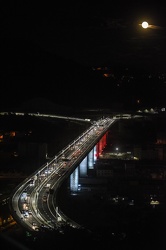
point(145, 25)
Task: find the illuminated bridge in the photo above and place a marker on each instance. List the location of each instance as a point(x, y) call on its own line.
point(33, 203)
point(87, 163)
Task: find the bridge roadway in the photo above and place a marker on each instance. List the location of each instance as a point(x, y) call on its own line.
point(32, 203)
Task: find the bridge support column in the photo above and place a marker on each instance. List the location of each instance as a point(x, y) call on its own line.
point(101, 144)
point(87, 163)
point(74, 181)
point(91, 159)
point(83, 167)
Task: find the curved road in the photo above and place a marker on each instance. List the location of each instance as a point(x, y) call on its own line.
point(33, 202)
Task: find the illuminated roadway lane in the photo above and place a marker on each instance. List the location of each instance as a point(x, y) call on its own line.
point(32, 204)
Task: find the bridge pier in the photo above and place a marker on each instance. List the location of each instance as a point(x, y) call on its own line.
point(86, 164)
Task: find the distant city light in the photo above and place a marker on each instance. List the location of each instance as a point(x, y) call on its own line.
point(117, 149)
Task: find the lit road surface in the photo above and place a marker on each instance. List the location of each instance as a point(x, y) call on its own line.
point(32, 204)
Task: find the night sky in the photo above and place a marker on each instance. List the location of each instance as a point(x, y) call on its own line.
point(48, 50)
